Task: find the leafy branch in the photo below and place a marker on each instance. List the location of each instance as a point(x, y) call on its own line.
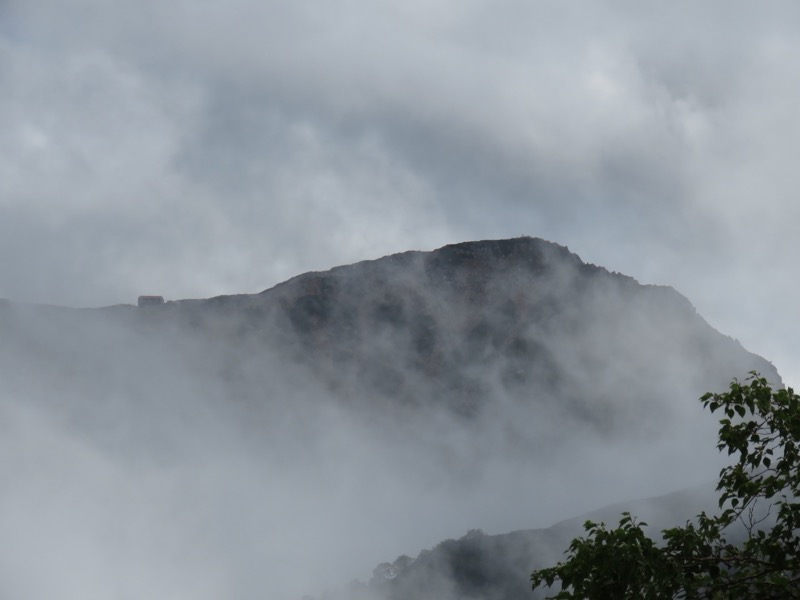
point(759, 495)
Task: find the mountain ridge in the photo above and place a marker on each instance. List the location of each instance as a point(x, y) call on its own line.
point(461, 323)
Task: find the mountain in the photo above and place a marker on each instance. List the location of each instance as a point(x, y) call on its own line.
point(523, 319)
point(346, 415)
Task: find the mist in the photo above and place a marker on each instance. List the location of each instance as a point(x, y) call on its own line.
point(204, 449)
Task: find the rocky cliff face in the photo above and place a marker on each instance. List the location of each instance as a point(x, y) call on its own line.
point(523, 319)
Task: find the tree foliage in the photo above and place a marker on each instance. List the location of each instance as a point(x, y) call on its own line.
point(749, 549)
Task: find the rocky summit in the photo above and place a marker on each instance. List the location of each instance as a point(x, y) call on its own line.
point(522, 318)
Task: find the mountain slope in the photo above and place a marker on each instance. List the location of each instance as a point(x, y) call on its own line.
point(497, 567)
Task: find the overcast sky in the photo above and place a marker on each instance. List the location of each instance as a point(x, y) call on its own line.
point(195, 148)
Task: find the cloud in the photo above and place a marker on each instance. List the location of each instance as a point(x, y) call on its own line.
point(200, 149)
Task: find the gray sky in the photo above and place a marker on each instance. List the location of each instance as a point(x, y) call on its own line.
point(195, 148)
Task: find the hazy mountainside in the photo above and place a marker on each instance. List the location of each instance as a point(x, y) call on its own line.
point(482, 567)
point(530, 309)
point(391, 403)
point(458, 326)
point(521, 324)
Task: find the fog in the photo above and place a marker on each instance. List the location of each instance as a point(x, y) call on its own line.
point(189, 451)
point(173, 503)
